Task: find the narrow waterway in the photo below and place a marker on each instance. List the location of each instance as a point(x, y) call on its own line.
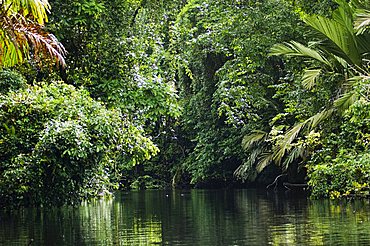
point(195, 217)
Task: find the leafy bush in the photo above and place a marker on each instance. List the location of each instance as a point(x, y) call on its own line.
point(10, 81)
point(60, 146)
point(346, 175)
point(342, 166)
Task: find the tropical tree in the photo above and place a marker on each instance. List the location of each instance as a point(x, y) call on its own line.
point(117, 50)
point(22, 33)
point(221, 53)
point(337, 59)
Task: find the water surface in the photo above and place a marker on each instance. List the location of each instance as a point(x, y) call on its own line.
point(195, 217)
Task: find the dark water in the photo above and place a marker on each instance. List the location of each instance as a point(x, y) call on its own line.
point(196, 217)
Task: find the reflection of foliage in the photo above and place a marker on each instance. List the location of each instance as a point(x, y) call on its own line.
point(108, 223)
point(327, 218)
point(144, 218)
point(146, 182)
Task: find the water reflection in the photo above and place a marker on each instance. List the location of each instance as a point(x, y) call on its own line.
point(196, 217)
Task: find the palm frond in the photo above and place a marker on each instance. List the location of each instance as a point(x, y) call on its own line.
point(46, 44)
point(265, 159)
point(294, 154)
point(363, 43)
point(310, 77)
point(294, 48)
point(21, 35)
point(318, 118)
point(292, 134)
point(344, 15)
point(346, 100)
point(338, 31)
point(363, 77)
point(246, 170)
point(258, 159)
point(251, 139)
point(284, 145)
point(37, 9)
point(340, 61)
point(362, 21)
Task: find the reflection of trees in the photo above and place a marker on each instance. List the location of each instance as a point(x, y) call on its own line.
point(303, 222)
point(341, 223)
point(198, 217)
point(116, 223)
point(246, 217)
point(235, 217)
point(99, 223)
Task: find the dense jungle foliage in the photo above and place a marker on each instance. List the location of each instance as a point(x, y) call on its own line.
point(101, 95)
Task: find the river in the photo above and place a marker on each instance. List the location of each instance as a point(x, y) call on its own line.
point(193, 217)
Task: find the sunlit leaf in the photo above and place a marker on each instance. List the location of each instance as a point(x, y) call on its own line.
point(310, 77)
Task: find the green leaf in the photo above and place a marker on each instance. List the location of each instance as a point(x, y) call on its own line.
point(362, 20)
point(254, 137)
point(294, 48)
point(346, 100)
point(310, 77)
point(339, 31)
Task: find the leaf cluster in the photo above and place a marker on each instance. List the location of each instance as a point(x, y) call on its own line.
point(59, 146)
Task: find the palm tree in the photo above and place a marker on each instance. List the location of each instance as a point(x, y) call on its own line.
point(342, 52)
point(22, 33)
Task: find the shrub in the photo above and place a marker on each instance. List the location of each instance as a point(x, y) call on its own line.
point(59, 146)
point(11, 81)
point(342, 166)
point(346, 175)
